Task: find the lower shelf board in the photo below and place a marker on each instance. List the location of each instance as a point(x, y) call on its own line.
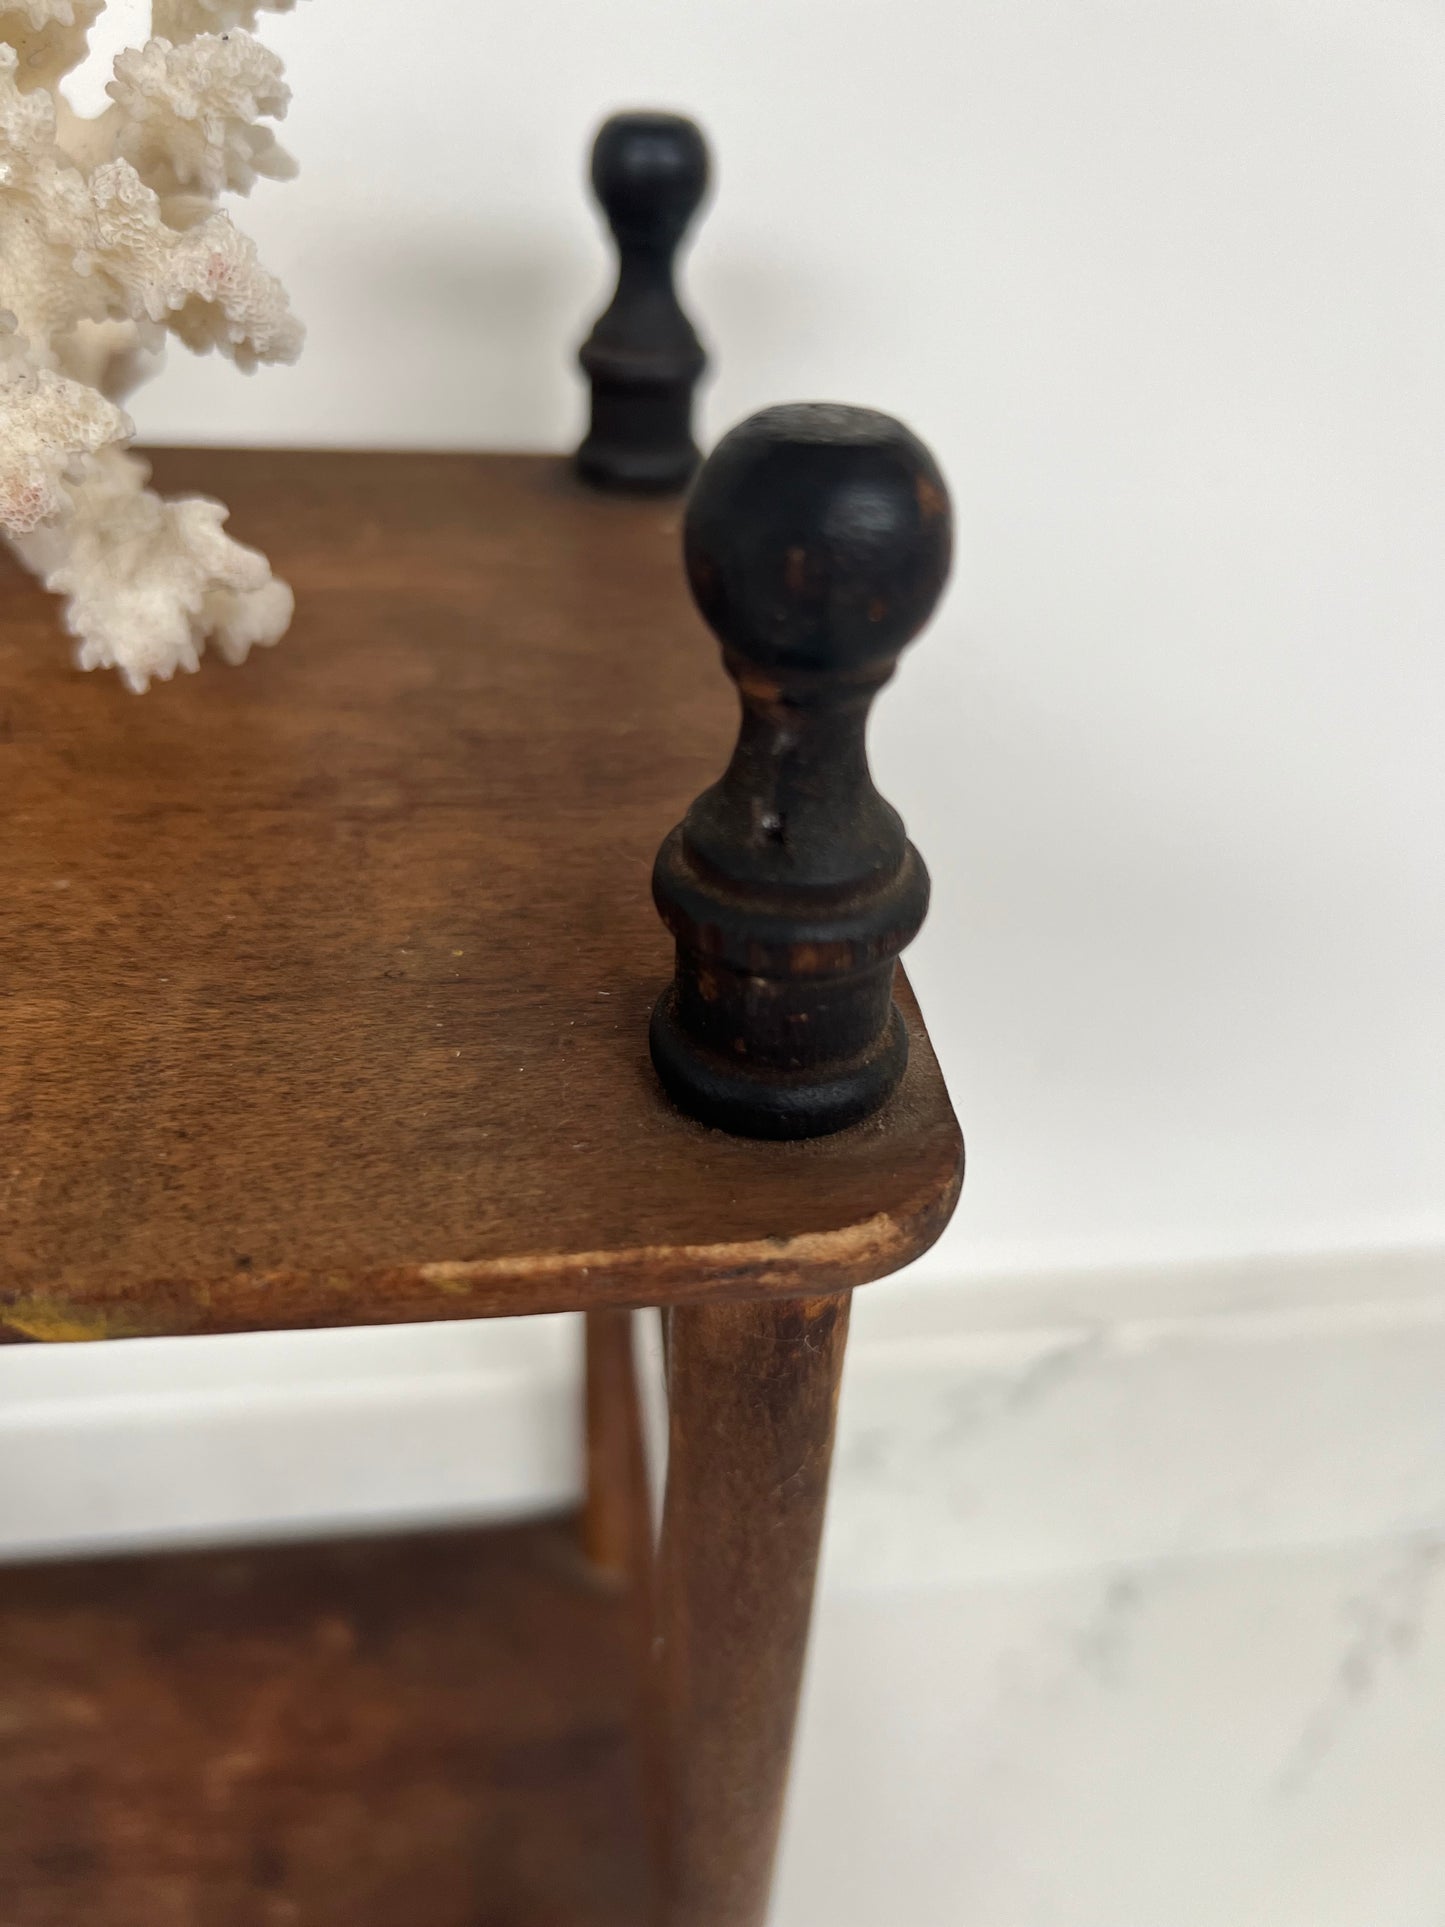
point(433, 1730)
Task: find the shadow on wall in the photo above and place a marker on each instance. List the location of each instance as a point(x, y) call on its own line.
point(502, 312)
point(464, 337)
point(514, 311)
point(506, 307)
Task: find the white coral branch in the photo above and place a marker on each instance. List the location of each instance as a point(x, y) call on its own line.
point(178, 20)
point(110, 238)
point(204, 283)
point(49, 36)
point(49, 427)
point(189, 114)
point(86, 246)
point(150, 582)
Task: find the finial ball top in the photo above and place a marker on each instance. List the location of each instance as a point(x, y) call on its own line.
point(650, 173)
point(818, 537)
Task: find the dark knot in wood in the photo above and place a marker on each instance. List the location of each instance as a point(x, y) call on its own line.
point(817, 542)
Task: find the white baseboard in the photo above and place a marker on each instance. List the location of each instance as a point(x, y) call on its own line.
point(161, 1441)
point(1076, 1421)
point(999, 1429)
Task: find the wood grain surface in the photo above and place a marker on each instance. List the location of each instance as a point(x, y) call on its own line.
point(324, 982)
point(432, 1731)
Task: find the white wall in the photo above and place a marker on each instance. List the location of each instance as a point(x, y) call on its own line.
point(1164, 283)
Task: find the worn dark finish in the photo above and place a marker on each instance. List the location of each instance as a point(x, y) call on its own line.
point(324, 982)
point(753, 1395)
point(643, 358)
point(817, 542)
point(431, 1731)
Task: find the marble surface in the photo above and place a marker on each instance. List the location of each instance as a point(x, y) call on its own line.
point(1246, 1740)
point(1031, 1426)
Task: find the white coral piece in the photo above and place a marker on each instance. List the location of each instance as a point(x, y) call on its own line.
point(204, 282)
point(191, 113)
point(150, 581)
point(110, 239)
point(181, 19)
point(48, 36)
point(51, 424)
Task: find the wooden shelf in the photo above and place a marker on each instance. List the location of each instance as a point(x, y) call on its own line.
point(435, 1730)
point(324, 982)
point(324, 986)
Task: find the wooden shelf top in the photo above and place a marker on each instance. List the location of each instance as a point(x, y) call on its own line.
point(324, 982)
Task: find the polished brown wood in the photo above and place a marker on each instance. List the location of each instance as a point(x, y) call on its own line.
point(752, 1393)
point(324, 982)
point(432, 1731)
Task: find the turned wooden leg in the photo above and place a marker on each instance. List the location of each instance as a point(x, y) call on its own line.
point(752, 1393)
point(616, 1526)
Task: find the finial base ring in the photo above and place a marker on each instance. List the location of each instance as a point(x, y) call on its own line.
point(740, 1097)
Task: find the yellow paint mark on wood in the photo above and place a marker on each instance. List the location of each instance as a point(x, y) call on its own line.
point(48, 1325)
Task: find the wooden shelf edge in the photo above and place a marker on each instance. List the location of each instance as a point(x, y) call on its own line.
point(810, 1263)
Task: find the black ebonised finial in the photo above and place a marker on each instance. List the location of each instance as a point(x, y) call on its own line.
point(643, 358)
point(817, 542)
